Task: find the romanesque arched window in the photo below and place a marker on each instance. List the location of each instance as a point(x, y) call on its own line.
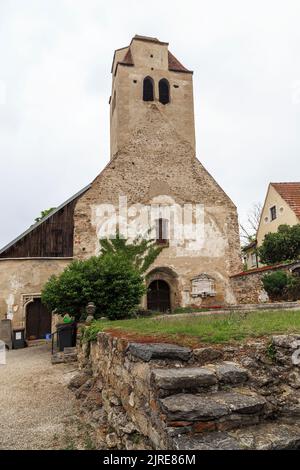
point(164, 91)
point(148, 89)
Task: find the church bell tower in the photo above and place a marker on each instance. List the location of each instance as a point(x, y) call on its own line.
point(145, 75)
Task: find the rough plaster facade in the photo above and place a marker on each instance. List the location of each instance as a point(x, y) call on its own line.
point(21, 280)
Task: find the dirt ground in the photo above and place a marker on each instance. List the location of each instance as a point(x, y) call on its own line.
point(37, 411)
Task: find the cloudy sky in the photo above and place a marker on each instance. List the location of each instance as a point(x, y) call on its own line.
point(55, 58)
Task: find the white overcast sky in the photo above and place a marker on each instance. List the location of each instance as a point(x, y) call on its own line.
point(55, 59)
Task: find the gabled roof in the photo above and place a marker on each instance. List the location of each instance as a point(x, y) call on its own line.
point(173, 64)
point(34, 226)
point(290, 192)
point(250, 245)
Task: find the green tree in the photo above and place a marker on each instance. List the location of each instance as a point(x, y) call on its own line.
point(110, 281)
point(44, 214)
point(141, 252)
point(284, 245)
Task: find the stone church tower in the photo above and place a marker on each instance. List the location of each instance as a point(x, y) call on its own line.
point(153, 162)
point(154, 172)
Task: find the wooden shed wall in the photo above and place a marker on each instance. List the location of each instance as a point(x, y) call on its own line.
point(52, 238)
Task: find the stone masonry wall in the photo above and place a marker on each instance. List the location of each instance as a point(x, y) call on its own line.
point(162, 396)
point(248, 286)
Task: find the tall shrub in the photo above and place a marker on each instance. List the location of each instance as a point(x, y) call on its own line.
point(110, 281)
point(275, 284)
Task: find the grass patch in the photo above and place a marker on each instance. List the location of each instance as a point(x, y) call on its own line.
point(195, 309)
point(214, 328)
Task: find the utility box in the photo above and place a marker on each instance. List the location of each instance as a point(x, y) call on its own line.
point(6, 332)
point(18, 338)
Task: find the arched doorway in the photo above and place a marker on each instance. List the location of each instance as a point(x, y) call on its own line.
point(158, 296)
point(38, 320)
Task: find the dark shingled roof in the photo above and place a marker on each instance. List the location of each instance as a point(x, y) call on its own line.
point(290, 192)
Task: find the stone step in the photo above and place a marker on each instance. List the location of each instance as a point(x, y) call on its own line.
point(147, 352)
point(197, 379)
point(220, 410)
point(68, 355)
point(37, 342)
point(264, 436)
point(167, 381)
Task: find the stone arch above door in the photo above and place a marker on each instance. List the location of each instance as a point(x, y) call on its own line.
point(169, 276)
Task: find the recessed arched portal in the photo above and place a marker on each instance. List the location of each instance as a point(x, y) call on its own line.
point(158, 296)
point(38, 320)
point(164, 295)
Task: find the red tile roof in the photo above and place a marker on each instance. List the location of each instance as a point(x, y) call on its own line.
point(175, 65)
point(128, 58)
point(259, 270)
point(290, 192)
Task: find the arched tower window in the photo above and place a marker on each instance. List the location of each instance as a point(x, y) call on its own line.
point(148, 89)
point(164, 91)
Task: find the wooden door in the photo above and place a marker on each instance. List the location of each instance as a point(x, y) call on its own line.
point(38, 320)
point(158, 296)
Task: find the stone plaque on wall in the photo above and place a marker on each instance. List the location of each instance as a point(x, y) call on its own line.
point(203, 286)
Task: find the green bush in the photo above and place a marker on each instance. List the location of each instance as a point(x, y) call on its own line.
point(275, 284)
point(293, 288)
point(110, 281)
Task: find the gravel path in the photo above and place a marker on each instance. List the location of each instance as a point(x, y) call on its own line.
point(36, 407)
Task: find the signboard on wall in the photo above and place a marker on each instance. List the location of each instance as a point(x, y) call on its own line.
point(203, 285)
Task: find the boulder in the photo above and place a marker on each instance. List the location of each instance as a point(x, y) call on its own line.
point(205, 355)
point(78, 380)
point(231, 373)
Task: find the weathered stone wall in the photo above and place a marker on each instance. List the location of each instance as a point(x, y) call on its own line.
point(248, 287)
point(158, 167)
point(160, 396)
point(21, 277)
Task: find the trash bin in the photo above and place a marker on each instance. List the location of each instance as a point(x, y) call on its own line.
point(18, 338)
point(66, 335)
